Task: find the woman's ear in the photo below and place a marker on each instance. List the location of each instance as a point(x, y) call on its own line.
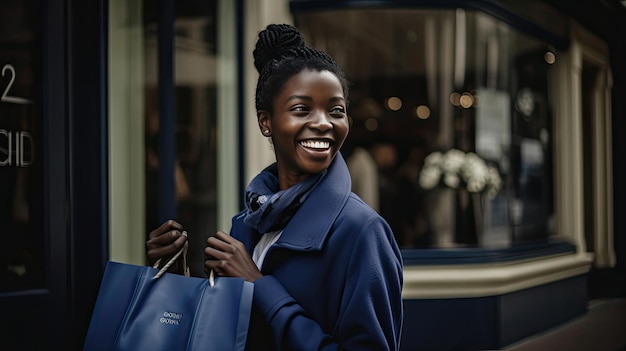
point(265, 125)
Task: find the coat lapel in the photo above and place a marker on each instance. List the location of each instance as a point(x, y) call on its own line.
point(308, 229)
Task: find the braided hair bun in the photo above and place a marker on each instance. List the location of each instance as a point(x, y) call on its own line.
point(274, 42)
point(279, 54)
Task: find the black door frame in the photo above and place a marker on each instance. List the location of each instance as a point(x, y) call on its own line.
point(87, 68)
point(55, 169)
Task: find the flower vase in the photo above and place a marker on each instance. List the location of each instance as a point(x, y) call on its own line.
point(465, 229)
point(441, 216)
point(479, 204)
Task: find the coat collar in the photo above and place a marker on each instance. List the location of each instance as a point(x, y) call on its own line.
point(307, 232)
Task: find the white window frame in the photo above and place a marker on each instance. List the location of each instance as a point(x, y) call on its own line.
point(569, 186)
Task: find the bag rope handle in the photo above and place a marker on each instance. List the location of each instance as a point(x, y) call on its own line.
point(171, 261)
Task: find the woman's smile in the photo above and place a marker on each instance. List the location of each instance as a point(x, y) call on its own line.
point(317, 145)
point(317, 148)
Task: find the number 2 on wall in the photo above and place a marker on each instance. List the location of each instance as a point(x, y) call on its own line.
point(11, 99)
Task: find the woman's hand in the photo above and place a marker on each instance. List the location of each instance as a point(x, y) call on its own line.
point(164, 242)
point(228, 257)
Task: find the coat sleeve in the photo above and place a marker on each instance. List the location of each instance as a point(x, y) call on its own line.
point(370, 316)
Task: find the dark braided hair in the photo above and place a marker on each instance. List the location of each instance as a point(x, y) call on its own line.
point(280, 53)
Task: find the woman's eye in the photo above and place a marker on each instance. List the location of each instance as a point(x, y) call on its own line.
point(338, 110)
point(299, 109)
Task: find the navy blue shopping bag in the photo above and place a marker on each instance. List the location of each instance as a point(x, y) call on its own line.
point(134, 311)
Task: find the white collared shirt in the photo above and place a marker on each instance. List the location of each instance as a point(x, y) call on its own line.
point(261, 248)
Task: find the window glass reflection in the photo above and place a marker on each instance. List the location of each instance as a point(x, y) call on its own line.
point(21, 158)
point(195, 99)
point(452, 107)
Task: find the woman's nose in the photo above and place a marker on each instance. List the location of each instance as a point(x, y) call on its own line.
point(321, 121)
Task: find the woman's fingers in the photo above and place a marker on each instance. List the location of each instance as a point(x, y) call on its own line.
point(227, 256)
point(166, 238)
point(225, 237)
point(217, 254)
point(164, 228)
point(165, 241)
point(219, 243)
point(160, 248)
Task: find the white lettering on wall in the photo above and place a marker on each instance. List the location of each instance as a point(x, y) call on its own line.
point(16, 148)
point(5, 95)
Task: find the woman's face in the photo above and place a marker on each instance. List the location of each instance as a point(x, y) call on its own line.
point(309, 125)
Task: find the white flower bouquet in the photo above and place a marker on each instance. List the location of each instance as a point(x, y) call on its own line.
point(455, 169)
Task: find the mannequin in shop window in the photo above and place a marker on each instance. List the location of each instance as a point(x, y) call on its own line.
point(364, 174)
point(326, 268)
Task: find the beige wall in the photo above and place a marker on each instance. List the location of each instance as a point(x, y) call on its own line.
point(258, 14)
point(126, 160)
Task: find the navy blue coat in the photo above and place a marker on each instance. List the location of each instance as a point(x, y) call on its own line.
point(333, 280)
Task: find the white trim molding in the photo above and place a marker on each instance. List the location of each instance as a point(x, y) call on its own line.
point(585, 50)
point(592, 51)
point(480, 280)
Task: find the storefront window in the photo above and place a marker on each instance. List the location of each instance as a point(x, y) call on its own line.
point(196, 88)
point(453, 107)
point(21, 138)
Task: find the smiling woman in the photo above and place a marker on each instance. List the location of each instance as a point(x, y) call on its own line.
point(308, 127)
point(326, 268)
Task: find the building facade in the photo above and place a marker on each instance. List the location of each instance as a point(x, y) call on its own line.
point(117, 115)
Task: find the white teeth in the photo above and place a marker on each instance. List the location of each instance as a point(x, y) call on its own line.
point(315, 144)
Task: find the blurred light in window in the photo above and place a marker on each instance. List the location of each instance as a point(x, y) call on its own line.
point(422, 112)
point(371, 124)
point(466, 100)
point(394, 103)
point(455, 99)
